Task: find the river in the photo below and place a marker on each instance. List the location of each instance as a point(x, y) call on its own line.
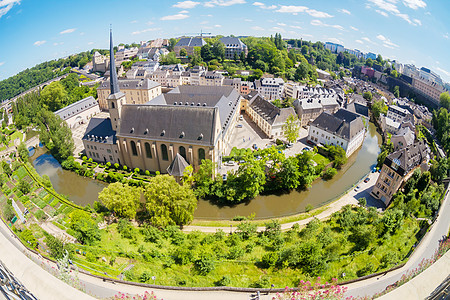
point(320, 193)
point(84, 191)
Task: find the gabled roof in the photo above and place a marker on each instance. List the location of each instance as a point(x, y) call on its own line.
point(76, 108)
point(406, 159)
point(343, 123)
point(191, 42)
point(188, 124)
point(177, 166)
point(358, 109)
point(265, 109)
point(100, 131)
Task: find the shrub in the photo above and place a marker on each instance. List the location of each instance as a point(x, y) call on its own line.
point(269, 259)
point(204, 265)
point(235, 252)
point(329, 173)
point(145, 277)
point(308, 208)
point(224, 281)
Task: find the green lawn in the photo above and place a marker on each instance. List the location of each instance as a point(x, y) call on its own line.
point(318, 158)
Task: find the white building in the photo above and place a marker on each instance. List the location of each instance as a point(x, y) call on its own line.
point(270, 88)
point(344, 129)
point(79, 112)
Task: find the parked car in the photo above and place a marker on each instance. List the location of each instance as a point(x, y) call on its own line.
point(224, 177)
point(366, 180)
point(306, 149)
point(255, 147)
point(230, 163)
point(239, 126)
point(357, 188)
point(290, 145)
point(311, 142)
point(241, 117)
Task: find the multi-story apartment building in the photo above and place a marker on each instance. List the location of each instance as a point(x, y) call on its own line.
point(211, 78)
point(79, 112)
point(398, 168)
point(233, 45)
point(189, 45)
point(270, 88)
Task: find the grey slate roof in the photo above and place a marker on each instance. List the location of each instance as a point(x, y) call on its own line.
point(114, 87)
point(358, 109)
point(126, 84)
point(76, 108)
point(100, 131)
point(269, 112)
point(343, 123)
point(188, 124)
point(406, 159)
point(191, 42)
point(232, 42)
point(177, 166)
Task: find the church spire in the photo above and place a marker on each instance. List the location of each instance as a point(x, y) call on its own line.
point(112, 67)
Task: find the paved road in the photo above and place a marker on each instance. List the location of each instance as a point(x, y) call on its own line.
point(425, 250)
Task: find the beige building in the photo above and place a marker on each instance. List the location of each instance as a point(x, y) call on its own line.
point(100, 63)
point(428, 88)
point(269, 118)
point(211, 78)
point(398, 168)
point(189, 44)
point(137, 91)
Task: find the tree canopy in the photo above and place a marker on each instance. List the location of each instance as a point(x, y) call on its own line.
point(291, 128)
point(121, 198)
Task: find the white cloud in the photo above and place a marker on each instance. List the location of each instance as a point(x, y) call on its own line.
point(248, 20)
point(368, 40)
point(186, 4)
point(344, 11)
point(281, 24)
point(443, 71)
point(278, 29)
point(68, 31)
point(91, 43)
point(292, 9)
point(386, 42)
point(149, 23)
point(307, 35)
point(39, 43)
point(415, 4)
point(57, 44)
point(204, 22)
point(295, 27)
point(354, 28)
point(217, 26)
point(258, 28)
point(322, 24)
point(145, 30)
point(2, 63)
point(6, 6)
point(263, 6)
point(214, 3)
point(335, 40)
point(174, 17)
point(184, 12)
point(383, 7)
point(134, 22)
point(446, 36)
point(383, 13)
point(359, 41)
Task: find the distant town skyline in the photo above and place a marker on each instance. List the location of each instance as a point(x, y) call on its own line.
point(410, 31)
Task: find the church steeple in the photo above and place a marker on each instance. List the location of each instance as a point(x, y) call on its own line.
point(112, 67)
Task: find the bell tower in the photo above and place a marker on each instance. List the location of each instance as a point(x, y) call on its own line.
point(116, 98)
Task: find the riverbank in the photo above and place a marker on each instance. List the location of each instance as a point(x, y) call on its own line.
point(322, 213)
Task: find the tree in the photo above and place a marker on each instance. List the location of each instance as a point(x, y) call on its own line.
point(23, 152)
point(6, 168)
point(121, 198)
point(54, 96)
point(55, 245)
point(172, 43)
point(394, 73)
point(289, 176)
point(218, 49)
point(368, 96)
point(396, 91)
point(24, 186)
point(247, 182)
point(291, 128)
point(329, 173)
point(85, 228)
point(183, 52)
point(169, 59)
point(377, 108)
point(27, 236)
point(369, 62)
point(439, 169)
point(168, 203)
point(444, 100)
point(338, 154)
point(204, 178)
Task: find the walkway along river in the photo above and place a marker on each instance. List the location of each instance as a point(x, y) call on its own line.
point(84, 191)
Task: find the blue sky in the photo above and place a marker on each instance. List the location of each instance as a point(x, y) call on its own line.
point(411, 31)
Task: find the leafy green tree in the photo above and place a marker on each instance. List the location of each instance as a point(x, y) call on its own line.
point(121, 198)
point(396, 90)
point(444, 100)
point(6, 168)
point(378, 107)
point(183, 52)
point(172, 43)
point(247, 182)
point(55, 245)
point(54, 96)
point(205, 264)
point(56, 135)
point(368, 96)
point(439, 169)
point(246, 230)
point(204, 178)
point(329, 173)
point(369, 62)
point(23, 152)
point(394, 74)
point(85, 228)
point(24, 186)
point(169, 59)
point(289, 176)
point(291, 128)
point(168, 203)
